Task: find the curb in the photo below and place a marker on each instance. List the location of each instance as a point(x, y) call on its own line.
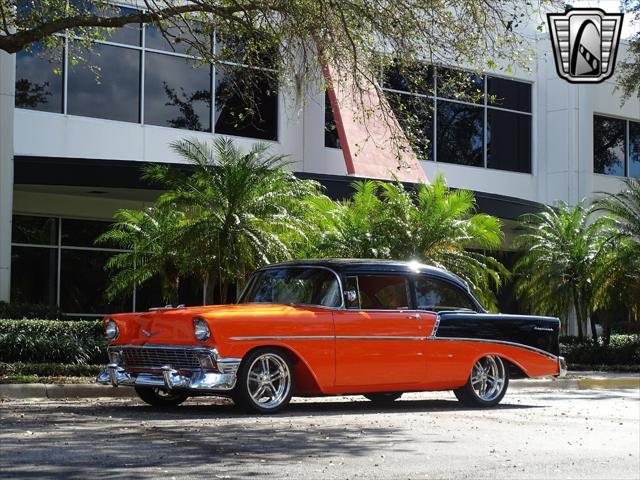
point(87, 390)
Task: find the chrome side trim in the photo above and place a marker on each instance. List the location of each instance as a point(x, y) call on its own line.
point(377, 337)
point(284, 337)
point(501, 342)
point(434, 332)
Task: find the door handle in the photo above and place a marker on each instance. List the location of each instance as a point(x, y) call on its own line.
point(415, 316)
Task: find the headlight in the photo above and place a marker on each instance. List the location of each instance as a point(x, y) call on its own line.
point(201, 329)
point(111, 330)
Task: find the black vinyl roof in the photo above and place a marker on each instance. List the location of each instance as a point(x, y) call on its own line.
point(353, 265)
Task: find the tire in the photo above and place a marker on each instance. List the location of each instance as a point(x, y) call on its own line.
point(159, 397)
point(265, 382)
point(487, 383)
point(383, 397)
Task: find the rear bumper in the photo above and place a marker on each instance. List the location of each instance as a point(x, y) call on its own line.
point(562, 367)
point(219, 378)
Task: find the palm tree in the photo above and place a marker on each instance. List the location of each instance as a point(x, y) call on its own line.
point(560, 261)
point(151, 237)
point(244, 210)
point(432, 224)
point(619, 278)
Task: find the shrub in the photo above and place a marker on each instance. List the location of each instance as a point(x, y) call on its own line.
point(622, 350)
point(49, 369)
point(30, 311)
point(52, 341)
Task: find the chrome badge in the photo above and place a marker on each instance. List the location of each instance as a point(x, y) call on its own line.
point(585, 43)
point(148, 333)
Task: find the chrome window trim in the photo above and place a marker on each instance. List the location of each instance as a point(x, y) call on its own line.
point(279, 266)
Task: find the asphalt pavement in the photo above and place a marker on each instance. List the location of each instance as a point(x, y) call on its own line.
point(535, 433)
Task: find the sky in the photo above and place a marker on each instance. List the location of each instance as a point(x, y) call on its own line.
point(628, 28)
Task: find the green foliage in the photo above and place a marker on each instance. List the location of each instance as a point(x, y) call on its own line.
point(22, 369)
point(152, 237)
point(618, 282)
point(433, 224)
point(50, 341)
point(622, 350)
point(560, 261)
point(30, 310)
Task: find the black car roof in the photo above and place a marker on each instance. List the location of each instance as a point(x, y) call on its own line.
point(348, 265)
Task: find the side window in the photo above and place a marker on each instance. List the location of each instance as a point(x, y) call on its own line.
point(438, 295)
point(378, 292)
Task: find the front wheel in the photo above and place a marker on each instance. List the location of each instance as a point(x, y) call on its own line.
point(265, 381)
point(487, 383)
point(159, 397)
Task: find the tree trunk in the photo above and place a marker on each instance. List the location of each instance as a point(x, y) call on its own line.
point(578, 312)
point(594, 331)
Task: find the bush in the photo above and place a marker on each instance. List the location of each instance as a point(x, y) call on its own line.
point(49, 370)
point(52, 341)
point(622, 350)
point(30, 310)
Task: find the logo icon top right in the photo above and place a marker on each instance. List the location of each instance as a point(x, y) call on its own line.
point(585, 43)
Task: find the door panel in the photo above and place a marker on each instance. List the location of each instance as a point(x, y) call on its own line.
point(380, 349)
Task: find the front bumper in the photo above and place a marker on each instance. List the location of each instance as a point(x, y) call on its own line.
point(220, 378)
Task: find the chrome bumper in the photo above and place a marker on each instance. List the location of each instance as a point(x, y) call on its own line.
point(197, 380)
point(562, 363)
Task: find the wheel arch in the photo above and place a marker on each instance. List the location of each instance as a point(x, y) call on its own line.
point(516, 369)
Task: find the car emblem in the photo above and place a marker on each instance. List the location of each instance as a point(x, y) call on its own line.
point(585, 43)
point(148, 333)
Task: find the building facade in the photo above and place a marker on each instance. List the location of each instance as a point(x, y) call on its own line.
point(71, 147)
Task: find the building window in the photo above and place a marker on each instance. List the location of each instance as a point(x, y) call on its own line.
point(455, 116)
point(634, 149)
point(614, 146)
point(331, 137)
point(178, 88)
point(107, 85)
point(39, 79)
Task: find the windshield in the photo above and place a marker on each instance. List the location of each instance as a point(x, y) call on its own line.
point(293, 286)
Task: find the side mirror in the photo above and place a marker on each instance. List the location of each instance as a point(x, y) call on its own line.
point(350, 296)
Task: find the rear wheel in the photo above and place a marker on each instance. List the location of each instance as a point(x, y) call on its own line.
point(383, 397)
point(487, 383)
point(265, 381)
point(159, 397)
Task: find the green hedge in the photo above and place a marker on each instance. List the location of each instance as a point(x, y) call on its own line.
point(52, 341)
point(622, 350)
point(49, 369)
point(31, 311)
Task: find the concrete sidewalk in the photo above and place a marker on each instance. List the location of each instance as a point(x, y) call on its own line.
point(573, 381)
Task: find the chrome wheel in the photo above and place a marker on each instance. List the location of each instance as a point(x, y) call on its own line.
point(487, 383)
point(488, 378)
point(266, 381)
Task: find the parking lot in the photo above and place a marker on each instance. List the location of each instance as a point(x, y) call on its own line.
point(534, 434)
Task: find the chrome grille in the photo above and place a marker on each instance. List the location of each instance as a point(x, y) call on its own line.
point(155, 358)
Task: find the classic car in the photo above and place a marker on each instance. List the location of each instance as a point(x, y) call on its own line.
point(331, 327)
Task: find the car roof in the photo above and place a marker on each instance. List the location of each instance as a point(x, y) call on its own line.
point(352, 265)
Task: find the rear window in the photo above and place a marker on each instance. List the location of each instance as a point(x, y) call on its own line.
point(379, 292)
point(437, 295)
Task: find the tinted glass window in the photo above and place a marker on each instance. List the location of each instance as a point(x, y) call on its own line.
point(415, 78)
point(609, 145)
point(34, 275)
point(82, 233)
point(39, 79)
point(460, 85)
point(35, 230)
point(296, 286)
point(415, 115)
point(111, 92)
point(386, 292)
point(509, 94)
point(83, 280)
point(437, 295)
point(634, 149)
point(460, 134)
point(331, 138)
point(246, 103)
point(259, 50)
point(508, 141)
point(129, 34)
point(177, 92)
point(178, 41)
